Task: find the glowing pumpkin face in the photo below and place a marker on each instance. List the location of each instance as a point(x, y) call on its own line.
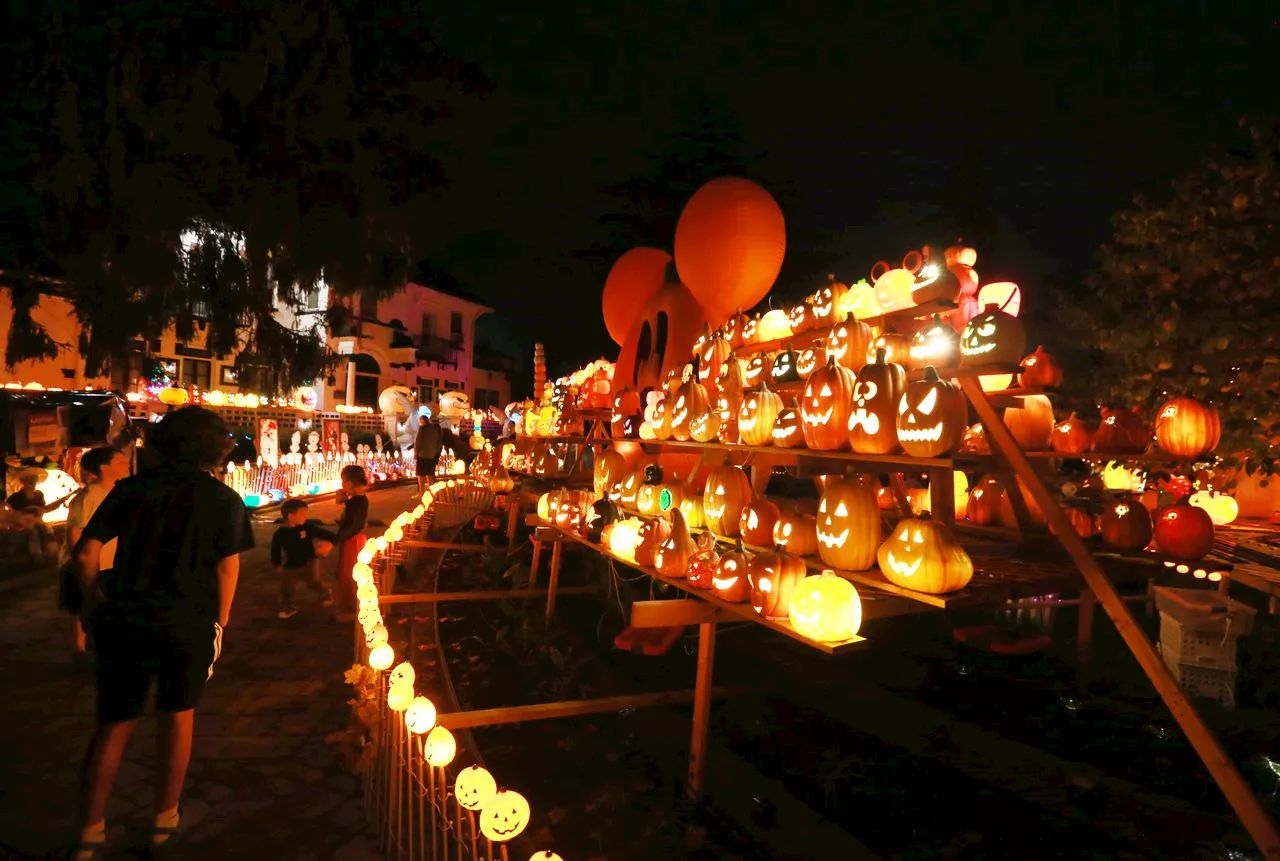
point(730, 579)
point(734, 329)
point(918, 555)
point(505, 816)
point(727, 491)
point(649, 539)
point(690, 401)
point(705, 427)
point(474, 788)
point(993, 338)
point(659, 419)
point(774, 326)
point(757, 415)
point(788, 431)
point(877, 391)
point(626, 417)
point(758, 519)
point(935, 344)
point(896, 346)
point(931, 417)
point(826, 608)
point(750, 330)
point(631, 488)
point(758, 368)
point(773, 578)
point(797, 532)
point(807, 361)
point(824, 408)
point(712, 355)
point(784, 366)
point(848, 342)
point(800, 318)
point(828, 303)
point(727, 409)
point(848, 524)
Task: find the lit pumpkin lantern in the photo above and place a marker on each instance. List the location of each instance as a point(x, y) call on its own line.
point(848, 524)
point(734, 328)
point(1118, 477)
point(860, 303)
point(649, 540)
point(631, 488)
point(727, 407)
point(847, 343)
point(784, 368)
point(626, 416)
point(960, 492)
point(624, 536)
point(727, 492)
point(1186, 427)
point(610, 468)
point(801, 318)
point(505, 816)
point(602, 513)
point(757, 522)
point(173, 396)
point(474, 787)
point(774, 326)
point(896, 347)
point(690, 401)
point(935, 343)
point(1222, 509)
point(757, 416)
point(704, 562)
point(712, 355)
point(807, 361)
point(918, 555)
point(773, 577)
point(931, 416)
point(796, 532)
point(1073, 435)
point(691, 508)
point(788, 430)
point(672, 558)
point(706, 427)
point(993, 338)
point(1031, 424)
point(826, 608)
point(934, 283)
point(501, 481)
point(659, 417)
point(824, 408)
point(985, 501)
point(730, 582)
point(544, 507)
point(750, 330)
point(1185, 531)
point(828, 304)
point(877, 391)
point(1040, 370)
point(1126, 524)
point(757, 370)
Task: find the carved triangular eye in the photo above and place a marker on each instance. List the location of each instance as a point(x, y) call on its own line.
point(930, 401)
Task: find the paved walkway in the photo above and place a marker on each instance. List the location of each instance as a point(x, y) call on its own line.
point(263, 782)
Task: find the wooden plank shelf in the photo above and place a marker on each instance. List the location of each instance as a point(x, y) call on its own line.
point(790, 456)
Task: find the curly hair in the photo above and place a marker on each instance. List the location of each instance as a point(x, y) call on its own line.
point(191, 438)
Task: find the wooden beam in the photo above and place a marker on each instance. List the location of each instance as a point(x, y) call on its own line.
point(547, 534)
point(443, 545)
point(673, 614)
point(1224, 771)
point(701, 709)
point(570, 708)
point(478, 595)
point(553, 583)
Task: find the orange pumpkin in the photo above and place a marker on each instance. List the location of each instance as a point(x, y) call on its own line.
point(652, 534)
point(1126, 524)
point(773, 577)
point(1083, 523)
point(788, 430)
point(848, 343)
point(734, 328)
point(824, 409)
point(993, 338)
point(1186, 427)
point(727, 492)
point(797, 532)
point(730, 581)
point(848, 524)
point(690, 402)
point(828, 303)
point(1040, 370)
point(919, 555)
point(1031, 424)
point(877, 391)
point(713, 353)
point(757, 415)
point(896, 346)
point(931, 416)
point(985, 501)
point(1073, 436)
point(672, 557)
point(758, 519)
point(801, 318)
point(626, 417)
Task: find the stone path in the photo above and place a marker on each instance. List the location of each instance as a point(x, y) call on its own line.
point(263, 782)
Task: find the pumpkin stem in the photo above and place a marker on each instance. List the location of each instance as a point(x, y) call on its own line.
point(881, 355)
point(931, 374)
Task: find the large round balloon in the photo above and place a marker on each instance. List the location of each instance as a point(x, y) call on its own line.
point(632, 281)
point(730, 241)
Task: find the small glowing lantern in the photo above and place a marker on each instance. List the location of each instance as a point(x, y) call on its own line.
point(624, 537)
point(544, 507)
point(420, 717)
point(173, 396)
point(1222, 509)
point(774, 326)
point(474, 787)
point(505, 816)
point(370, 617)
point(367, 593)
point(995, 382)
point(376, 635)
point(439, 747)
point(381, 657)
point(826, 608)
point(1118, 477)
point(403, 674)
point(1005, 295)
point(399, 697)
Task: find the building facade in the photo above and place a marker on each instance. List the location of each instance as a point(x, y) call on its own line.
point(420, 338)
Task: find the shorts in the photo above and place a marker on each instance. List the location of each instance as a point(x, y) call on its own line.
point(134, 649)
point(424, 466)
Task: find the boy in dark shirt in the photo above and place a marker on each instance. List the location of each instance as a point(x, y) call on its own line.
point(293, 554)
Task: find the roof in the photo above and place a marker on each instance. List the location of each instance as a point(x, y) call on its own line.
point(462, 295)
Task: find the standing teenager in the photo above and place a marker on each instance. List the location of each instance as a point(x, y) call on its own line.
point(158, 616)
point(349, 537)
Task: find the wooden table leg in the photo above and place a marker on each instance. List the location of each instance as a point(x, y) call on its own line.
point(513, 517)
point(701, 708)
point(555, 579)
point(533, 564)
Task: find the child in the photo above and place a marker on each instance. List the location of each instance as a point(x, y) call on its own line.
point(100, 469)
point(294, 556)
point(350, 536)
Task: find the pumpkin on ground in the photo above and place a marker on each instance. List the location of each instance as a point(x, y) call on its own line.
point(877, 391)
point(727, 492)
point(672, 558)
point(1126, 524)
point(826, 608)
point(1040, 370)
point(1031, 424)
point(848, 524)
point(758, 519)
point(757, 415)
point(773, 577)
point(1184, 531)
point(931, 416)
point(824, 408)
point(919, 555)
point(1186, 427)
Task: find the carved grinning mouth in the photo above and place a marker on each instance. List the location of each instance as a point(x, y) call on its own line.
point(818, 418)
point(831, 539)
point(723, 585)
point(978, 350)
point(932, 434)
point(869, 422)
point(822, 310)
point(906, 569)
point(713, 512)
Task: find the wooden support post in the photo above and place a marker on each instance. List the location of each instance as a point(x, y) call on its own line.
point(513, 517)
point(533, 563)
point(899, 489)
point(555, 579)
point(1084, 628)
point(701, 709)
point(942, 497)
point(1224, 771)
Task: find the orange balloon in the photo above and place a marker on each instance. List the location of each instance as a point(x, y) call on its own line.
point(632, 281)
point(729, 244)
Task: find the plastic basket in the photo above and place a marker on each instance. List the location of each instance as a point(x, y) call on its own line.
point(1212, 649)
point(1205, 611)
point(1216, 685)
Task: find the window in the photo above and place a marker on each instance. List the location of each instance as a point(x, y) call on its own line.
point(311, 299)
point(426, 391)
point(368, 307)
point(481, 399)
point(227, 376)
point(455, 327)
point(125, 371)
point(197, 372)
point(428, 328)
point(368, 380)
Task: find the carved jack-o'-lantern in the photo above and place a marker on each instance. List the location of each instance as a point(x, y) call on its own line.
point(758, 519)
point(896, 346)
point(631, 488)
point(1186, 427)
point(610, 467)
point(757, 370)
point(649, 540)
point(706, 427)
point(730, 581)
point(1126, 524)
point(732, 377)
point(931, 416)
point(505, 816)
point(826, 608)
point(774, 577)
point(713, 353)
point(934, 282)
point(784, 366)
point(474, 788)
point(797, 532)
point(848, 343)
point(735, 328)
point(757, 415)
point(1040, 370)
point(1121, 432)
point(727, 491)
point(824, 408)
point(877, 391)
point(828, 304)
point(788, 430)
point(801, 318)
point(848, 524)
point(1031, 424)
point(808, 359)
point(993, 338)
point(935, 343)
point(918, 555)
point(1073, 435)
point(690, 401)
point(626, 417)
point(727, 409)
point(602, 513)
point(660, 498)
point(751, 330)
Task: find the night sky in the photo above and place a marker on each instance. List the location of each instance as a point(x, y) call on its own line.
point(1068, 110)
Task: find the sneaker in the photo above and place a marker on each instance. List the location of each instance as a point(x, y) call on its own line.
point(288, 613)
point(328, 600)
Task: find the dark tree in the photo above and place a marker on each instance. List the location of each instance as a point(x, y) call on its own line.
point(1184, 300)
point(289, 140)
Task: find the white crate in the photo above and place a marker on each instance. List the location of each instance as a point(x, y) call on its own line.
point(1202, 648)
point(1217, 685)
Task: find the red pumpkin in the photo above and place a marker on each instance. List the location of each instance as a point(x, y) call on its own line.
point(1082, 522)
point(1186, 427)
point(1122, 432)
point(1073, 436)
point(824, 409)
point(773, 578)
point(1040, 370)
point(986, 501)
point(1184, 531)
point(1126, 524)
